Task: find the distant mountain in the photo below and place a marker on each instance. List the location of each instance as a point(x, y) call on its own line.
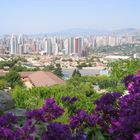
point(82, 32)
point(85, 32)
point(131, 31)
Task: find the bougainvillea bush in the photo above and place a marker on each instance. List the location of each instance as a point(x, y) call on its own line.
point(115, 117)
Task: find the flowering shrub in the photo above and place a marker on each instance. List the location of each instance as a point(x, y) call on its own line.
point(119, 116)
point(79, 121)
point(115, 117)
point(69, 100)
point(57, 131)
point(127, 124)
point(47, 113)
point(10, 130)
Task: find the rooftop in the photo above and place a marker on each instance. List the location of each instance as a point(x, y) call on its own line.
point(41, 78)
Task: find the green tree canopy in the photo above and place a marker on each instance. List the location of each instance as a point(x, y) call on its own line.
point(49, 68)
point(76, 73)
point(120, 69)
point(56, 70)
point(13, 79)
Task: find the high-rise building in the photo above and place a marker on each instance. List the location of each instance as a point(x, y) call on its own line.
point(101, 41)
point(53, 46)
point(112, 41)
point(71, 45)
point(77, 46)
point(45, 45)
point(56, 49)
point(49, 46)
point(20, 49)
point(26, 48)
point(14, 45)
point(66, 46)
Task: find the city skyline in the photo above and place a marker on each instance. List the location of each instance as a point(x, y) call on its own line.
point(49, 16)
point(62, 46)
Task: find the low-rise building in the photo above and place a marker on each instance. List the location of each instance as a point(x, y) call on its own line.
point(116, 57)
point(40, 78)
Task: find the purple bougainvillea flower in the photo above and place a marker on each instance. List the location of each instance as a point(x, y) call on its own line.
point(69, 100)
point(57, 131)
point(136, 136)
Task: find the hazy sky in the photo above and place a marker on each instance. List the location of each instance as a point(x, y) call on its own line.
point(45, 16)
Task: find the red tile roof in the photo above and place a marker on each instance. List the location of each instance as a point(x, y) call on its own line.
point(41, 78)
point(25, 74)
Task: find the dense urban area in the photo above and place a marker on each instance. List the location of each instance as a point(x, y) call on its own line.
point(88, 53)
point(75, 46)
point(81, 88)
point(70, 70)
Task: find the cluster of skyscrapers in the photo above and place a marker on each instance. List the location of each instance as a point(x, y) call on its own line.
point(114, 40)
point(18, 45)
point(63, 46)
point(69, 46)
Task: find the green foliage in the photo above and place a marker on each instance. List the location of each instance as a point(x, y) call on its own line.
point(34, 98)
point(119, 88)
point(14, 64)
point(79, 86)
point(56, 70)
point(13, 79)
point(9, 63)
point(84, 64)
point(105, 82)
point(49, 68)
point(3, 84)
point(76, 73)
point(120, 69)
point(1, 112)
point(19, 68)
point(99, 136)
point(22, 59)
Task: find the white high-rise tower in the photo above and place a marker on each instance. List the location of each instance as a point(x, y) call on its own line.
point(20, 49)
point(14, 45)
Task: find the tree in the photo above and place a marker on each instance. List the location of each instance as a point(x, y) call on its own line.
point(36, 69)
point(80, 66)
point(13, 79)
point(58, 72)
point(49, 68)
point(76, 73)
point(120, 69)
point(19, 68)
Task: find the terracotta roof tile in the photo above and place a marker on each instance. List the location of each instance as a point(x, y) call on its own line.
point(25, 74)
point(41, 78)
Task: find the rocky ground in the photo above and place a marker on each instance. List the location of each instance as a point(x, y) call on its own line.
point(7, 104)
